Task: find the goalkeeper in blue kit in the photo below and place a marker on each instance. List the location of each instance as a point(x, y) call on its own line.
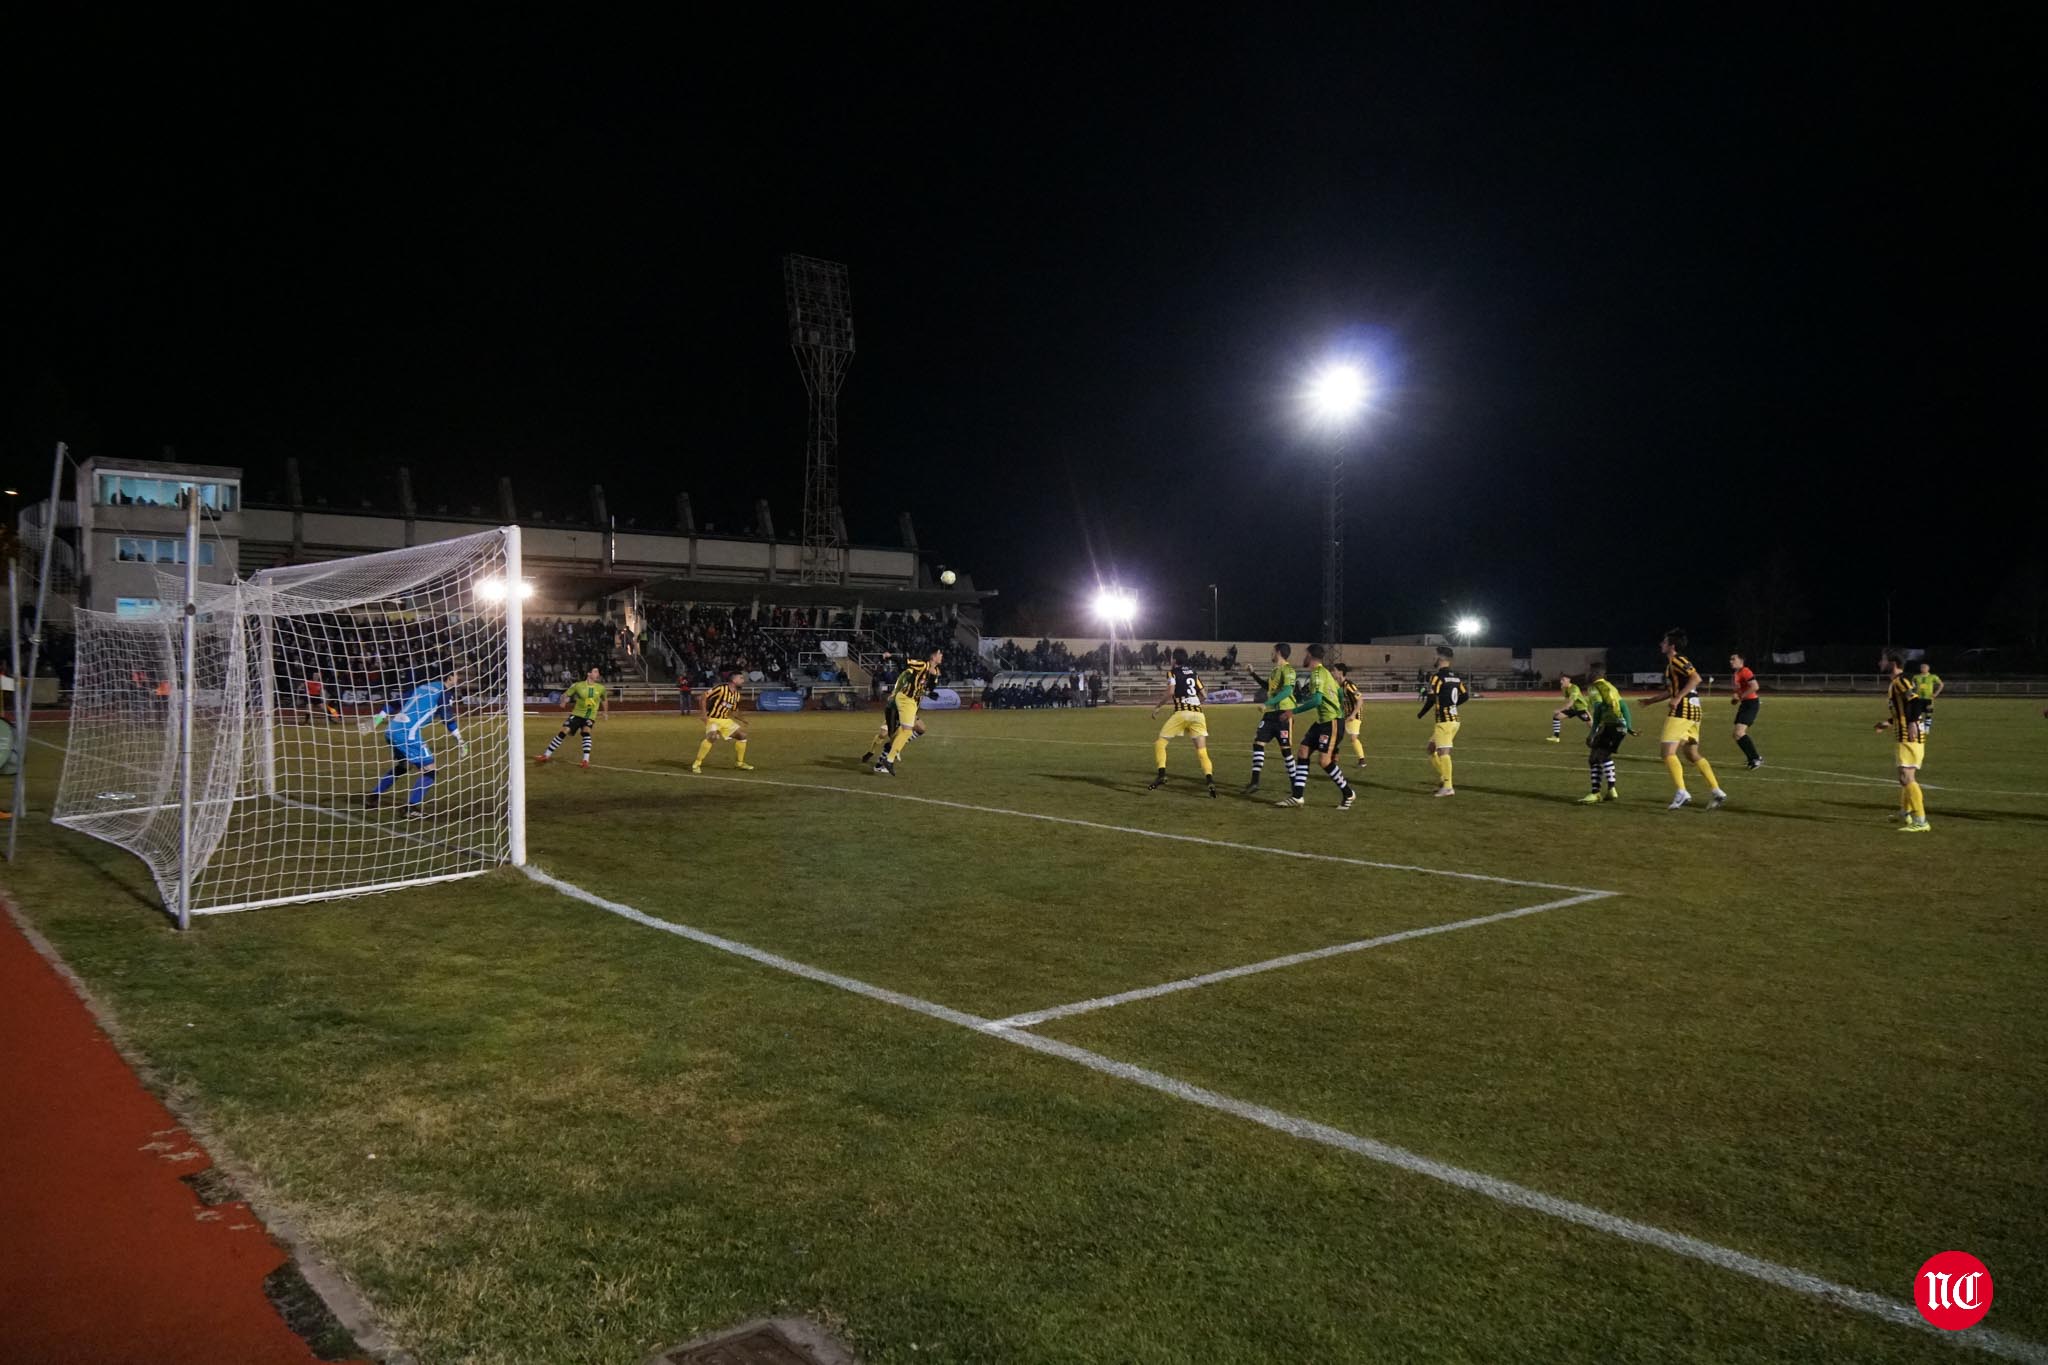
point(427, 702)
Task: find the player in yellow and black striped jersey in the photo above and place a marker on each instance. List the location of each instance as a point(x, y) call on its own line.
point(1446, 690)
point(1353, 702)
point(1907, 712)
point(1184, 693)
point(721, 721)
point(918, 680)
point(1682, 722)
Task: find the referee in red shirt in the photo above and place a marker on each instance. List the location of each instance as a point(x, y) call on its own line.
point(1747, 700)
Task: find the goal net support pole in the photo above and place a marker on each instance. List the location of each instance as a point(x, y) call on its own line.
point(515, 697)
point(186, 696)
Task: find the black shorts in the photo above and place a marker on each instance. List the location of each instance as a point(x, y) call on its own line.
point(1274, 726)
point(1745, 712)
point(889, 720)
point(1578, 713)
point(1319, 736)
point(1607, 739)
point(578, 724)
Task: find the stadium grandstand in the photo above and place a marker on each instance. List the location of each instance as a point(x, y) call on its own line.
point(661, 611)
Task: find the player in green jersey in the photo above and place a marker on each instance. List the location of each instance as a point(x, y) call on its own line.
point(1318, 698)
point(585, 701)
point(1927, 685)
point(1276, 725)
point(1611, 724)
point(1575, 707)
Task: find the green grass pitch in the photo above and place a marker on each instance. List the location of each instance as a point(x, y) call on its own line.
point(1790, 1032)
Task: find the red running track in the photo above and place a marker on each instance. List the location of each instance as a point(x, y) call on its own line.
point(106, 1256)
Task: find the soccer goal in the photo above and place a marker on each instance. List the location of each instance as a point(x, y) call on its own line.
point(333, 729)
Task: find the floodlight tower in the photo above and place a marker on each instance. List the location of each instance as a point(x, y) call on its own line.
point(1336, 395)
point(821, 338)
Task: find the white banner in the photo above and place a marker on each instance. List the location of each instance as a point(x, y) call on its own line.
point(832, 649)
point(1797, 656)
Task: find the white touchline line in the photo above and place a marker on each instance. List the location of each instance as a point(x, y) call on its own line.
point(1308, 1130)
point(1112, 829)
point(1033, 1018)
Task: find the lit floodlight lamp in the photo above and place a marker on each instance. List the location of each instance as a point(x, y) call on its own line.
point(1115, 606)
point(1468, 626)
point(1337, 392)
point(493, 589)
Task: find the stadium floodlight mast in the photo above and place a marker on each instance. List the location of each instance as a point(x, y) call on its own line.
point(1114, 607)
point(1335, 397)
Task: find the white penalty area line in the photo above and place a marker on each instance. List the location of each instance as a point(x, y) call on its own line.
point(1308, 1130)
point(1033, 1018)
point(1132, 830)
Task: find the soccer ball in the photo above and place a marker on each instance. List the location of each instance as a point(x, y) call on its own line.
point(949, 578)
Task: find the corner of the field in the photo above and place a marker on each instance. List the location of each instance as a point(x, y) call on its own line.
point(353, 1311)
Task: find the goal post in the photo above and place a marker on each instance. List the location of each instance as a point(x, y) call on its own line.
point(355, 727)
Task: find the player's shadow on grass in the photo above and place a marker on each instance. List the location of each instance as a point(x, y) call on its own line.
point(842, 766)
point(1427, 791)
point(1188, 786)
point(1936, 811)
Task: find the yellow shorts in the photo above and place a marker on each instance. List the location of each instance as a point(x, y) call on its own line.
point(906, 711)
point(1680, 731)
point(722, 728)
point(1912, 753)
point(1445, 734)
point(1192, 723)
point(1354, 725)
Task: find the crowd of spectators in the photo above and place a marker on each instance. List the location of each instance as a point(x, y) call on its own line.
point(709, 641)
point(1052, 656)
point(559, 651)
point(1031, 697)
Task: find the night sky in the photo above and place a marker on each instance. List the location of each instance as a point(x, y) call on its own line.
point(1657, 301)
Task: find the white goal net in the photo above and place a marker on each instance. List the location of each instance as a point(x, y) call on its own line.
point(354, 728)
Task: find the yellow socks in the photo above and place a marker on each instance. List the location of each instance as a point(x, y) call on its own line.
point(1441, 761)
point(1706, 771)
point(1905, 799)
point(1208, 768)
point(1919, 802)
point(1676, 769)
point(703, 751)
point(739, 751)
point(1358, 748)
point(902, 738)
point(1159, 754)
